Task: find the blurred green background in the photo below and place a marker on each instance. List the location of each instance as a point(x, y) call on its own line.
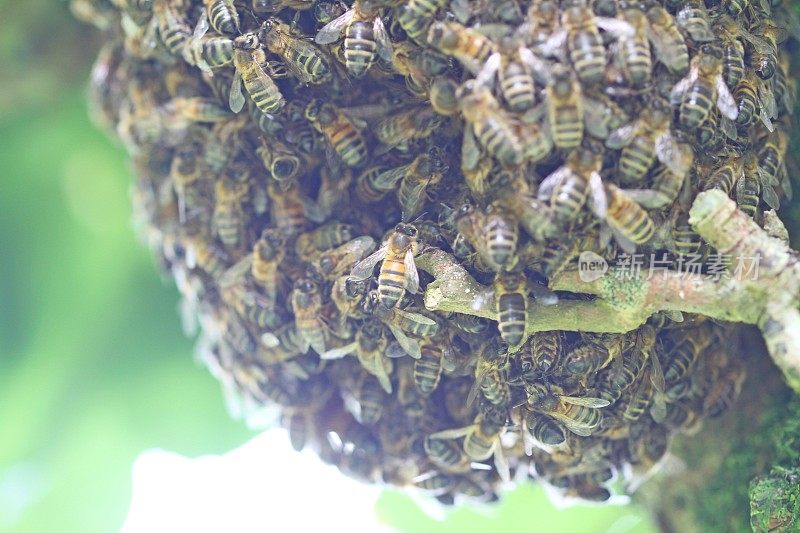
point(93, 366)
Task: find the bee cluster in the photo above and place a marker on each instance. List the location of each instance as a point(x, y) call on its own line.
point(296, 159)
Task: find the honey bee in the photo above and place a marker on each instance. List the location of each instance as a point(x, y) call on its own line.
point(630, 224)
point(482, 439)
point(569, 187)
point(273, 6)
point(510, 295)
point(693, 18)
point(514, 67)
point(664, 189)
point(702, 88)
point(291, 211)
point(513, 192)
point(282, 163)
point(771, 156)
point(755, 99)
point(347, 296)
point(580, 415)
point(446, 455)
point(648, 138)
point(546, 350)
point(428, 368)
point(223, 16)
point(725, 390)
point(682, 357)
point(365, 35)
point(306, 303)
point(544, 429)
point(398, 270)
point(666, 38)
point(412, 124)
point(304, 60)
point(753, 185)
point(685, 240)
point(475, 167)
point(399, 322)
point(502, 235)
point(491, 372)
point(330, 235)
point(764, 59)
point(252, 306)
point(341, 131)
point(206, 256)
point(370, 346)
point(170, 25)
point(367, 188)
point(207, 52)
point(371, 398)
point(469, 47)
point(415, 17)
point(254, 71)
point(190, 187)
point(634, 51)
point(565, 107)
point(229, 219)
point(332, 264)
point(581, 33)
point(585, 359)
point(442, 95)
point(489, 124)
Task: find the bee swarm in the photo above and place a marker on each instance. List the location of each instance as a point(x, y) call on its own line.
point(305, 168)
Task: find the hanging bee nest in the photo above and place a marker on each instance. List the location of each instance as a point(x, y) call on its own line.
point(376, 211)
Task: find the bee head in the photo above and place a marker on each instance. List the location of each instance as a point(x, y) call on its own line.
point(306, 286)
point(248, 41)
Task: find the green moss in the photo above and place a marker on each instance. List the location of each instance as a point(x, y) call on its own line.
point(775, 501)
point(774, 447)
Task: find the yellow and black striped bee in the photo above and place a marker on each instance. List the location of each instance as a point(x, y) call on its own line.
point(223, 16)
point(417, 15)
point(468, 46)
point(580, 415)
point(442, 95)
point(489, 124)
point(170, 25)
point(428, 368)
point(544, 429)
point(491, 374)
point(667, 40)
point(255, 72)
point(365, 35)
point(291, 211)
point(565, 107)
point(306, 302)
point(370, 347)
point(208, 52)
point(703, 88)
point(725, 389)
point(754, 100)
point(509, 293)
point(514, 66)
point(693, 18)
point(229, 218)
point(633, 50)
point(502, 236)
point(304, 60)
point(269, 252)
point(273, 6)
point(630, 223)
point(310, 244)
point(764, 59)
point(398, 272)
point(405, 126)
point(401, 322)
point(650, 138)
point(341, 131)
point(482, 438)
point(371, 398)
point(446, 455)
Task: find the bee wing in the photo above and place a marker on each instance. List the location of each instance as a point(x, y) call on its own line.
point(235, 273)
point(383, 379)
point(729, 128)
point(616, 27)
point(331, 31)
point(395, 351)
point(677, 157)
point(202, 26)
point(462, 10)
point(236, 99)
point(725, 101)
point(543, 295)
point(656, 372)
point(388, 180)
point(453, 433)
point(363, 269)
point(501, 463)
point(412, 276)
point(585, 401)
point(770, 196)
point(536, 64)
point(476, 386)
point(572, 425)
point(385, 50)
point(594, 118)
point(483, 299)
point(598, 200)
point(676, 94)
point(470, 152)
point(765, 118)
point(338, 353)
point(490, 67)
point(648, 198)
point(627, 245)
point(550, 182)
point(311, 209)
point(767, 100)
point(760, 44)
point(623, 136)
point(554, 45)
point(411, 346)
point(419, 319)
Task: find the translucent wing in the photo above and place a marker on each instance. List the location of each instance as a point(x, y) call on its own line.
point(648, 198)
point(470, 152)
point(770, 196)
point(765, 118)
point(677, 157)
point(537, 66)
point(476, 385)
point(236, 273)
point(338, 353)
point(385, 50)
point(598, 201)
point(490, 67)
point(412, 276)
point(311, 209)
point(388, 180)
point(363, 269)
point(462, 10)
point(594, 117)
point(543, 295)
point(550, 182)
point(395, 351)
point(656, 372)
point(202, 26)
point(617, 28)
point(331, 31)
point(411, 346)
point(623, 136)
point(725, 102)
point(572, 425)
point(554, 45)
point(627, 245)
point(419, 319)
point(676, 94)
point(383, 379)
point(454, 433)
point(236, 100)
point(729, 128)
point(585, 401)
point(501, 463)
